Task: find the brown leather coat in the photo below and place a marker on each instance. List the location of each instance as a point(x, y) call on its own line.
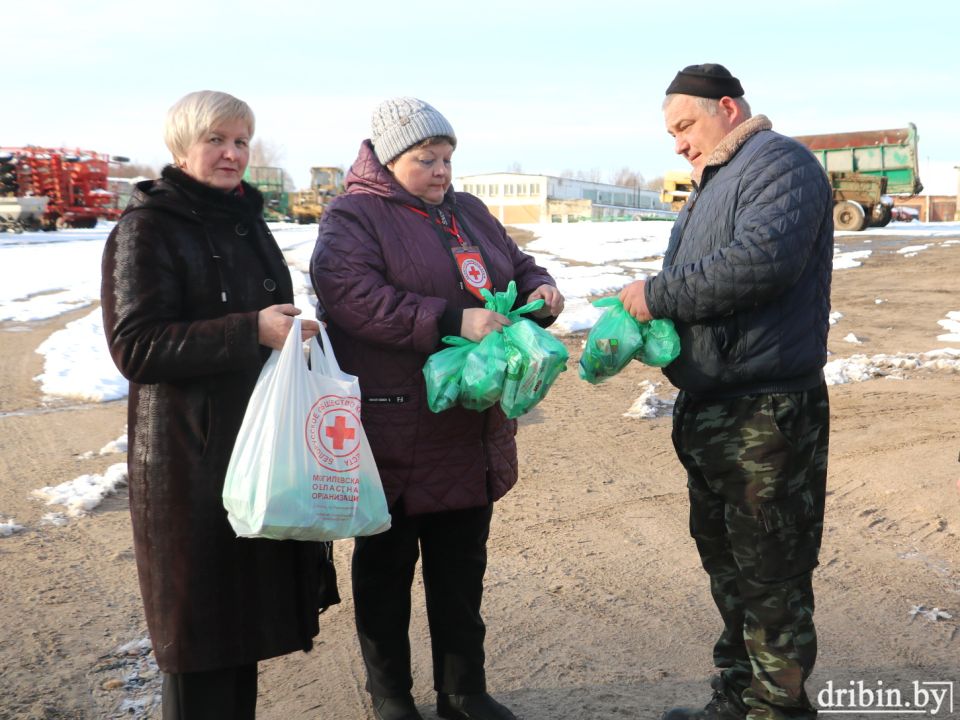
point(185, 272)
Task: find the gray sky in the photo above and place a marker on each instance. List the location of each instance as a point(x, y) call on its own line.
point(548, 85)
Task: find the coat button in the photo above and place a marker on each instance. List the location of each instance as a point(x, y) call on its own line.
point(269, 285)
point(241, 229)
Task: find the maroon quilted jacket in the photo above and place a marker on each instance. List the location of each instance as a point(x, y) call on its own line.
point(384, 278)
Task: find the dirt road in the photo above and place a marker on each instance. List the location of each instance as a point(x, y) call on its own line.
point(596, 604)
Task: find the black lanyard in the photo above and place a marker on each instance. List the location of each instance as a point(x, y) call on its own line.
point(445, 231)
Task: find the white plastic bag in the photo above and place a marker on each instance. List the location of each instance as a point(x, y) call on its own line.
point(301, 467)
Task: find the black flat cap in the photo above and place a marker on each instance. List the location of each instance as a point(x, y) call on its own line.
point(708, 80)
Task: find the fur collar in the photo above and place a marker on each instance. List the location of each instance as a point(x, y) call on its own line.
point(735, 139)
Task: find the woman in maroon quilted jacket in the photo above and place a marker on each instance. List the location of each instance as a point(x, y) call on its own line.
point(399, 264)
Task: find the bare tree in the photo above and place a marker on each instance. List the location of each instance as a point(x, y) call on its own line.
point(264, 153)
point(133, 170)
point(654, 183)
point(626, 177)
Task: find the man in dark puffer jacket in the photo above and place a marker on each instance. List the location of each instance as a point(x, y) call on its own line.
point(746, 279)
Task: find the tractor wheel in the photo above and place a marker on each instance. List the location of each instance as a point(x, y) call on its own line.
point(849, 215)
point(880, 216)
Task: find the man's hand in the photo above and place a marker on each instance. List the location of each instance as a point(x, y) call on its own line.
point(552, 301)
point(634, 300)
point(273, 325)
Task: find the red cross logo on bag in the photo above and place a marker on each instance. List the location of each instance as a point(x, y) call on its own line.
point(332, 432)
point(339, 431)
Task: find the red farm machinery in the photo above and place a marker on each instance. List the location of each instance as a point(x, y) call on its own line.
point(73, 183)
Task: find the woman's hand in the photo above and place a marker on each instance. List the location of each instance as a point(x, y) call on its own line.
point(552, 301)
point(273, 325)
point(477, 323)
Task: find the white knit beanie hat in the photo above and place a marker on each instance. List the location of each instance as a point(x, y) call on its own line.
point(402, 122)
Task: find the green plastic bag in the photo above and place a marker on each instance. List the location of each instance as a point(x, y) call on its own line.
point(485, 367)
point(521, 362)
point(617, 338)
point(484, 370)
point(533, 356)
point(443, 371)
point(661, 344)
point(534, 360)
point(611, 343)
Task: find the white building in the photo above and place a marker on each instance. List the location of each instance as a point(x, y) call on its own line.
point(516, 198)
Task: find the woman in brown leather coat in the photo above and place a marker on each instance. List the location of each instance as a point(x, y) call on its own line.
point(195, 294)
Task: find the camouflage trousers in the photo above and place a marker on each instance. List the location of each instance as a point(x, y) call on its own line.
point(756, 474)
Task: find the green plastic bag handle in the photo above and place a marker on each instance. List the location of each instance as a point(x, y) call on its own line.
point(609, 301)
point(457, 340)
point(524, 309)
point(501, 302)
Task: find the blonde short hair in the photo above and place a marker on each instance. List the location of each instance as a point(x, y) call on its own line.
point(196, 113)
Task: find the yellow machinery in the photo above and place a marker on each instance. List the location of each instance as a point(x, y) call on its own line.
point(677, 187)
point(307, 206)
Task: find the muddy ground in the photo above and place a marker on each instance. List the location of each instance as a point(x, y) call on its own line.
point(595, 602)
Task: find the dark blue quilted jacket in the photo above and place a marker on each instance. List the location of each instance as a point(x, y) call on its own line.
point(746, 276)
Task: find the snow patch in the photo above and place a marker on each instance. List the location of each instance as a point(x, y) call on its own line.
point(81, 495)
point(96, 378)
point(952, 326)
point(111, 448)
point(131, 670)
point(648, 405)
point(931, 614)
point(9, 527)
point(912, 250)
point(54, 518)
point(859, 368)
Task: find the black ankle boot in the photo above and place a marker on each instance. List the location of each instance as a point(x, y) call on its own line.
point(720, 707)
point(401, 707)
point(471, 707)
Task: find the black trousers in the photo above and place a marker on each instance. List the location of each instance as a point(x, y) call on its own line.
point(227, 694)
point(454, 548)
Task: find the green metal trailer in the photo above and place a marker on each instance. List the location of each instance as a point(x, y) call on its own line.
point(269, 181)
point(865, 169)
